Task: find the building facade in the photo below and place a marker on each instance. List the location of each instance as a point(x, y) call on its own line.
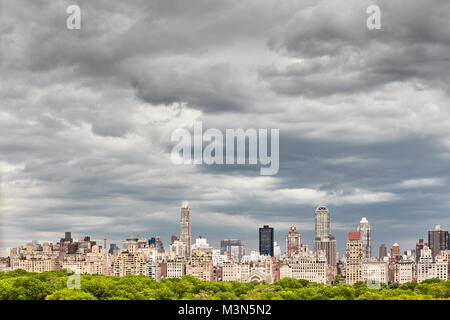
point(425, 268)
point(365, 231)
point(232, 271)
point(200, 265)
point(353, 258)
point(373, 271)
point(266, 240)
point(293, 242)
point(382, 252)
point(32, 260)
point(130, 261)
point(228, 242)
point(153, 270)
point(328, 245)
point(324, 241)
point(312, 268)
point(404, 271)
point(322, 222)
point(437, 240)
point(175, 269)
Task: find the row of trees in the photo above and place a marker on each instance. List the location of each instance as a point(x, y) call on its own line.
point(21, 285)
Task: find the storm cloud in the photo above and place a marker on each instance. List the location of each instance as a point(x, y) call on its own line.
point(86, 117)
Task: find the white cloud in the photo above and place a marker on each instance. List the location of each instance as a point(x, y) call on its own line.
point(422, 183)
point(337, 197)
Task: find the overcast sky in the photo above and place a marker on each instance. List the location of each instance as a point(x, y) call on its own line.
point(86, 117)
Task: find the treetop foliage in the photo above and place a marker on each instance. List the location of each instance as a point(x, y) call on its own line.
point(21, 285)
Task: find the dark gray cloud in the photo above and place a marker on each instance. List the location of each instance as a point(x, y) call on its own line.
point(337, 55)
point(86, 117)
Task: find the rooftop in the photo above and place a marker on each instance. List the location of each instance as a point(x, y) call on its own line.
point(354, 236)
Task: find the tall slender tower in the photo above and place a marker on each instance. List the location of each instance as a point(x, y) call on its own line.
point(393, 258)
point(419, 247)
point(185, 228)
point(395, 252)
point(322, 222)
point(437, 240)
point(266, 240)
point(383, 252)
point(365, 231)
point(353, 258)
point(324, 241)
point(293, 242)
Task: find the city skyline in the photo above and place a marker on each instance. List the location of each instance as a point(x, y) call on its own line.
point(322, 223)
point(231, 262)
point(147, 256)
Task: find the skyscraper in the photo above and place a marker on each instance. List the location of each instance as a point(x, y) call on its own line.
point(266, 240)
point(324, 241)
point(293, 242)
point(393, 259)
point(419, 247)
point(353, 258)
point(366, 237)
point(185, 227)
point(322, 222)
point(395, 252)
point(425, 265)
point(383, 252)
point(328, 245)
point(437, 240)
point(276, 250)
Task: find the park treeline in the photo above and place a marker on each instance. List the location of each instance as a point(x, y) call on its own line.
point(21, 285)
